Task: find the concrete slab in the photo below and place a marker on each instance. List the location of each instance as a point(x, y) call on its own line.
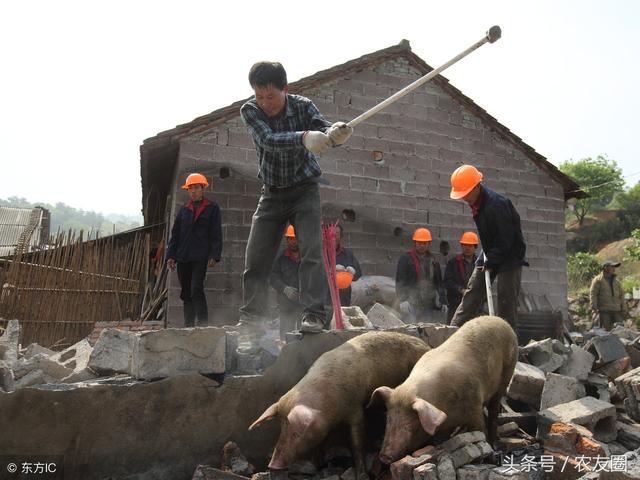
point(606, 348)
point(353, 319)
point(598, 416)
point(383, 317)
point(10, 342)
point(7, 381)
point(578, 363)
point(179, 351)
point(548, 355)
point(34, 349)
point(113, 352)
point(560, 389)
point(526, 384)
point(49, 367)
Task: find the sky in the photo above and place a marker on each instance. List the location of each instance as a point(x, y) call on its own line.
point(83, 83)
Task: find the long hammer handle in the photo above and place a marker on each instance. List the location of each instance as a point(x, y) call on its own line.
point(492, 35)
point(487, 282)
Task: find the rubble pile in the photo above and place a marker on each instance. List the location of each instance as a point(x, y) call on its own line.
point(572, 409)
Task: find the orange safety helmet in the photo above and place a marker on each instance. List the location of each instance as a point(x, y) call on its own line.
point(195, 179)
point(343, 279)
point(290, 233)
point(422, 235)
point(463, 180)
point(469, 238)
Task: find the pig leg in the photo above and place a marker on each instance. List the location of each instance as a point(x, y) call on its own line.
point(493, 408)
point(356, 428)
point(475, 420)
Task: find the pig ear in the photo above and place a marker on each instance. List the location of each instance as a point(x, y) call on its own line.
point(430, 416)
point(379, 396)
point(268, 414)
point(301, 416)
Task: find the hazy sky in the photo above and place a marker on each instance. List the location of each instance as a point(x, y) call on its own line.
point(83, 83)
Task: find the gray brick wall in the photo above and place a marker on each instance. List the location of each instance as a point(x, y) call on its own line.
point(423, 138)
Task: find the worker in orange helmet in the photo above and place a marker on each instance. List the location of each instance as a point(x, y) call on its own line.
point(284, 280)
point(195, 244)
point(459, 270)
point(498, 224)
point(348, 268)
point(418, 279)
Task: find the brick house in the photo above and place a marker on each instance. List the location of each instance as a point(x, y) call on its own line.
point(390, 177)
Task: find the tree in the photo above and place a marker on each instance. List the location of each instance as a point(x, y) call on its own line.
point(633, 250)
point(600, 178)
point(629, 205)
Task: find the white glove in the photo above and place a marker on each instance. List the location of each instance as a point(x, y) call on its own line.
point(405, 307)
point(316, 142)
point(291, 293)
point(352, 271)
point(339, 133)
point(340, 268)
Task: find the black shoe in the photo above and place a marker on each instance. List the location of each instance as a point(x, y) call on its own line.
point(312, 323)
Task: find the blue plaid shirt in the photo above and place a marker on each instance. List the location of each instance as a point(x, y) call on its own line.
point(283, 159)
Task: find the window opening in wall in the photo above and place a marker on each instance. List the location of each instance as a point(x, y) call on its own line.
point(444, 247)
point(378, 158)
point(397, 232)
point(224, 172)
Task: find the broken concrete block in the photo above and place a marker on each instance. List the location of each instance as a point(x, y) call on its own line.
point(624, 333)
point(628, 435)
point(80, 376)
point(10, 342)
point(445, 467)
point(49, 367)
point(113, 352)
point(606, 348)
point(7, 381)
point(560, 389)
point(403, 469)
point(429, 449)
point(348, 474)
point(526, 384)
point(35, 349)
point(633, 351)
point(234, 461)
point(466, 454)
point(383, 317)
point(462, 440)
point(205, 472)
point(561, 438)
point(548, 355)
point(76, 357)
point(179, 351)
point(353, 318)
point(427, 471)
point(474, 472)
point(613, 370)
point(578, 364)
point(435, 334)
point(34, 377)
point(598, 416)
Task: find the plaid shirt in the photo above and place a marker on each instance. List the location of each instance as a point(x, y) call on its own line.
point(283, 159)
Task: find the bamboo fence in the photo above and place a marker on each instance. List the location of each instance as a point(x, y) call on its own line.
point(59, 293)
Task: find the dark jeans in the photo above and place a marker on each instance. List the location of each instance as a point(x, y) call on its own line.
point(476, 294)
point(191, 276)
point(609, 318)
point(299, 205)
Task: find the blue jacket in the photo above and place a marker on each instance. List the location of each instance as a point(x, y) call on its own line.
point(196, 234)
point(498, 225)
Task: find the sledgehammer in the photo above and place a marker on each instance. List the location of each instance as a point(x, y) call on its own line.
point(491, 36)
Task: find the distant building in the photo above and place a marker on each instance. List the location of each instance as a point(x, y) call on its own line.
point(26, 227)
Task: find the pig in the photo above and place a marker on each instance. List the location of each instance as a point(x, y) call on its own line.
point(448, 387)
point(335, 391)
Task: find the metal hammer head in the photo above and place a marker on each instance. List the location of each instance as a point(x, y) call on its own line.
point(494, 34)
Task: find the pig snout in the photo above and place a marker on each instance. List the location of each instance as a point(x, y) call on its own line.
point(385, 458)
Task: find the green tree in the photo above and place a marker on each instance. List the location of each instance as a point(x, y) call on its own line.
point(633, 250)
point(600, 178)
point(628, 202)
point(581, 268)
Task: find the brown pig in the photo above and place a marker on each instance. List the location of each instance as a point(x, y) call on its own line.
point(449, 386)
point(335, 390)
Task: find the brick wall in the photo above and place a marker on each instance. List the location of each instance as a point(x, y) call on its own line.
point(422, 138)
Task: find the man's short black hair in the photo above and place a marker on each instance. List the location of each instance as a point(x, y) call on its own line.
point(263, 74)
